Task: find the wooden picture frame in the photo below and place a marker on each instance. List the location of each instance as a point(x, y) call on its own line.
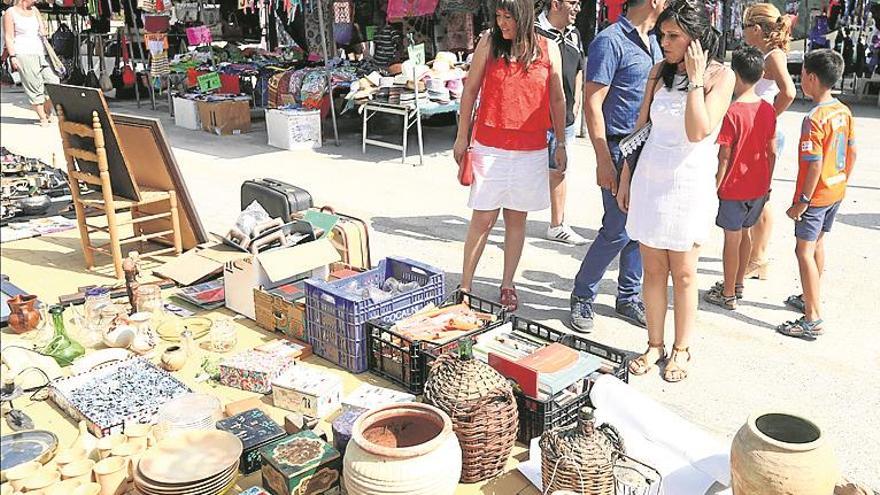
point(156, 168)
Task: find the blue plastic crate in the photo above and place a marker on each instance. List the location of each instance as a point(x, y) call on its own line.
point(335, 320)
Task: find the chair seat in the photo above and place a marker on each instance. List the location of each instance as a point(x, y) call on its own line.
point(96, 198)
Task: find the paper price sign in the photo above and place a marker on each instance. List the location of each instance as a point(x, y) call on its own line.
point(209, 82)
point(417, 54)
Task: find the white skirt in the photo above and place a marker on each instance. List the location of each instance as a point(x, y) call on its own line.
point(515, 180)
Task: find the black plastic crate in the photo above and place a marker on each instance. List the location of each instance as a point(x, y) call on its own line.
point(402, 361)
point(536, 417)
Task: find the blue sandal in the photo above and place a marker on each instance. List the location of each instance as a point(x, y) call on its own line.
point(802, 329)
point(796, 302)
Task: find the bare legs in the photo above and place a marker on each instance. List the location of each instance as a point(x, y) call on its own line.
point(658, 264)
point(44, 111)
point(478, 233)
point(811, 262)
point(737, 249)
point(761, 233)
point(557, 199)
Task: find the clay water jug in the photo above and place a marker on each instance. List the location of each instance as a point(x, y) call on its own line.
point(781, 454)
point(23, 316)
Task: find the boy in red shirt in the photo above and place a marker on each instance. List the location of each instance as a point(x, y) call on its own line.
point(827, 153)
point(746, 157)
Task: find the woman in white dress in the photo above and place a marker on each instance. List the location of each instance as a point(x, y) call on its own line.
point(518, 76)
point(670, 196)
point(765, 28)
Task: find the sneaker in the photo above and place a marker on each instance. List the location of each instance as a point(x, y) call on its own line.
point(633, 312)
point(581, 315)
point(564, 233)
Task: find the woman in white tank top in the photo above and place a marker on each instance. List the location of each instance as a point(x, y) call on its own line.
point(23, 30)
point(769, 31)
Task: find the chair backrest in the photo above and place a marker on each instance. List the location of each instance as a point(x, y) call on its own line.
point(90, 149)
point(80, 106)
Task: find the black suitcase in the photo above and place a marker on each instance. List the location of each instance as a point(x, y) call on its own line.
point(279, 199)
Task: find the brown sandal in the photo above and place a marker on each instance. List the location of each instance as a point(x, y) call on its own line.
point(675, 372)
point(641, 366)
point(509, 299)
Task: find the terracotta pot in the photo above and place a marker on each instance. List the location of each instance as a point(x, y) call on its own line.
point(781, 454)
point(406, 448)
point(23, 315)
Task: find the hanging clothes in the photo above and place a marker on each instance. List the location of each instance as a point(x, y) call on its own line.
point(401, 9)
point(459, 32)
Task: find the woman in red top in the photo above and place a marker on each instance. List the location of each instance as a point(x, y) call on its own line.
point(517, 76)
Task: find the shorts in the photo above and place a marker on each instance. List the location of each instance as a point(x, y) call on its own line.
point(551, 144)
point(815, 220)
point(737, 214)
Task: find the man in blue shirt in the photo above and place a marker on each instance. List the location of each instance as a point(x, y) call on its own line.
point(618, 63)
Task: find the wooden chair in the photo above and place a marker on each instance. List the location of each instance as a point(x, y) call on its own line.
point(105, 200)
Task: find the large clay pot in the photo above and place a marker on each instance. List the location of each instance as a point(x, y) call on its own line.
point(781, 454)
point(398, 449)
point(23, 315)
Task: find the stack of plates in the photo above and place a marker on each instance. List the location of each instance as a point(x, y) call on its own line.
point(192, 463)
point(188, 412)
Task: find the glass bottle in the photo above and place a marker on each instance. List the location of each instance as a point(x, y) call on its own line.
point(62, 348)
point(149, 300)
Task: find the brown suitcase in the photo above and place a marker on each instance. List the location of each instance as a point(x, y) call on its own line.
point(351, 237)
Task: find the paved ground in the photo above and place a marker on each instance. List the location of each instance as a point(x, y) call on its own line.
point(741, 365)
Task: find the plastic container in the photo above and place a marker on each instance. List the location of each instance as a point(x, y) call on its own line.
point(401, 360)
point(336, 319)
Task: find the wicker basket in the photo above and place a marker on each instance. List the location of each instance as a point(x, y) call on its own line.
point(580, 458)
point(483, 411)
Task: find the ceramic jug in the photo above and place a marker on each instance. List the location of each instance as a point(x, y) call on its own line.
point(24, 315)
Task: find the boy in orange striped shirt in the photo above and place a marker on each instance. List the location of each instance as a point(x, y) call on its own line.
point(827, 153)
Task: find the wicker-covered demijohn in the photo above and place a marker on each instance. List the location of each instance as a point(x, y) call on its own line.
point(483, 410)
point(580, 458)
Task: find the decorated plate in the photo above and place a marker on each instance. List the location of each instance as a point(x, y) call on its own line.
point(24, 446)
point(171, 329)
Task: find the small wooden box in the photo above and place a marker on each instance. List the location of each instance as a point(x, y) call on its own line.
point(282, 309)
point(255, 429)
point(308, 391)
point(301, 464)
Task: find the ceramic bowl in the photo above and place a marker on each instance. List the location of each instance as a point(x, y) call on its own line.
point(41, 481)
point(67, 456)
point(78, 470)
point(64, 487)
point(16, 476)
point(6, 489)
point(119, 336)
point(106, 444)
point(87, 489)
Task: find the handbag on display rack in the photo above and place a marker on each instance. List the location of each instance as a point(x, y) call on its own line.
point(91, 77)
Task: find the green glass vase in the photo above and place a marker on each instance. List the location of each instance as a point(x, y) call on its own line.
point(62, 348)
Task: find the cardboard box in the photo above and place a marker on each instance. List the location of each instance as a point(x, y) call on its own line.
point(252, 370)
point(294, 129)
point(307, 391)
point(369, 396)
point(301, 464)
point(282, 309)
point(273, 269)
point(225, 117)
point(255, 429)
point(186, 114)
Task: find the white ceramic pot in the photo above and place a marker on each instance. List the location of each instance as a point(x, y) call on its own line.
point(399, 449)
point(119, 336)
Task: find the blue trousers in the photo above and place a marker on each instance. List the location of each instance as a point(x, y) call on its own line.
point(611, 241)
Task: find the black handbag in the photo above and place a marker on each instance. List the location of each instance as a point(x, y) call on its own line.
point(64, 42)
